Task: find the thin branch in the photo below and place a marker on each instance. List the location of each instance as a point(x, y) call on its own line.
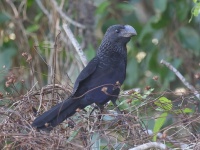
point(54, 63)
point(65, 17)
point(16, 14)
point(75, 44)
point(45, 11)
point(167, 138)
point(150, 145)
point(48, 88)
point(19, 24)
point(183, 80)
point(41, 97)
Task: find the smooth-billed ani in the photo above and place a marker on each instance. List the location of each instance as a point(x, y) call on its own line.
point(98, 82)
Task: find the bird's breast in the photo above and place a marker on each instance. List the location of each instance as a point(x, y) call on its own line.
point(106, 79)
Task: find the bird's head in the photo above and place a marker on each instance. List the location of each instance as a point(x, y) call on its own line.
point(120, 33)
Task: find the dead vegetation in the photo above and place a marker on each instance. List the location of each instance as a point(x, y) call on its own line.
point(106, 130)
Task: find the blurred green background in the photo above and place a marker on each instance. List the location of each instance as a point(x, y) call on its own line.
point(163, 27)
point(167, 29)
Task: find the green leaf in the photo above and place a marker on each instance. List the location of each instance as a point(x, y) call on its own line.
point(189, 39)
point(29, 3)
point(160, 22)
point(196, 10)
point(125, 7)
point(5, 102)
point(102, 7)
point(138, 95)
point(7, 51)
point(182, 9)
point(147, 29)
point(131, 72)
point(158, 124)
point(4, 17)
point(96, 140)
point(153, 61)
point(122, 104)
point(185, 111)
point(73, 134)
point(147, 93)
point(6, 56)
point(32, 28)
point(38, 17)
point(164, 103)
point(160, 5)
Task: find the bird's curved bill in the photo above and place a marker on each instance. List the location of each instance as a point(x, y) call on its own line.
point(128, 31)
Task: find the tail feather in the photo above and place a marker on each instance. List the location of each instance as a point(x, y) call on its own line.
point(57, 114)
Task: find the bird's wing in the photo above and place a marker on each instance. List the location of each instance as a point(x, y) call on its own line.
point(86, 72)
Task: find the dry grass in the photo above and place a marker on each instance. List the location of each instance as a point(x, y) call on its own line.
point(85, 131)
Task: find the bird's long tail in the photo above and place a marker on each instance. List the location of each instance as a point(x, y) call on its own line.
point(57, 114)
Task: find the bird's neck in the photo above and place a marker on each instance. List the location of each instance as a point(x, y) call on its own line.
point(108, 50)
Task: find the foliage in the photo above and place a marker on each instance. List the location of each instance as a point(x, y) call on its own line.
point(28, 31)
point(163, 33)
point(195, 9)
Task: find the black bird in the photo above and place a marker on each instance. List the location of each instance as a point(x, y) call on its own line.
point(98, 82)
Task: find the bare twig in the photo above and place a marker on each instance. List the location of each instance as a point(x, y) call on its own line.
point(65, 17)
point(54, 63)
point(75, 44)
point(16, 14)
point(150, 145)
point(41, 97)
point(179, 75)
point(45, 11)
point(168, 138)
point(48, 89)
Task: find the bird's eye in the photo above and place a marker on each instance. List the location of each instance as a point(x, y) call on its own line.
point(117, 31)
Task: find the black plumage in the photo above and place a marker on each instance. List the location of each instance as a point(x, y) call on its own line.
point(98, 82)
